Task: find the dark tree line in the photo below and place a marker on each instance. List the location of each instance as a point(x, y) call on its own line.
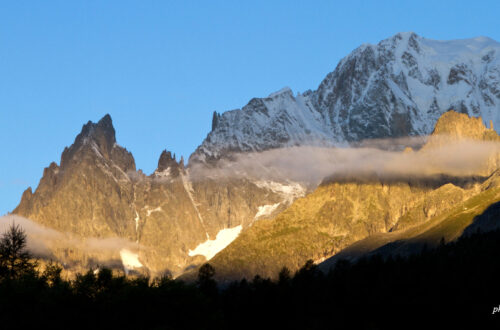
point(452, 286)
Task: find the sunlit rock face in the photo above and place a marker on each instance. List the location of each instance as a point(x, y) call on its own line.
point(418, 205)
point(96, 192)
point(91, 191)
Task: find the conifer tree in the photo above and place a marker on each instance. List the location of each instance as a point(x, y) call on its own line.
point(15, 259)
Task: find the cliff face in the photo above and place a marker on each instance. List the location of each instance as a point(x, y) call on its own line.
point(97, 192)
point(342, 212)
point(90, 192)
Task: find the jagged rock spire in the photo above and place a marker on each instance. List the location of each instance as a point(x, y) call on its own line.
point(98, 138)
point(215, 120)
point(166, 160)
point(101, 133)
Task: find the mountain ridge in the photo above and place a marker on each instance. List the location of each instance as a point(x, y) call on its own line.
point(340, 214)
point(398, 87)
point(97, 192)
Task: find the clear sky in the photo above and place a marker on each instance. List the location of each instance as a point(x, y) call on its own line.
point(160, 68)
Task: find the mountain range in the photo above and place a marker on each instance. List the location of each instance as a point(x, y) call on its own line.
point(399, 87)
point(180, 216)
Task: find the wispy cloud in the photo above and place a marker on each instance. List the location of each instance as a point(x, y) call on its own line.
point(63, 247)
point(383, 158)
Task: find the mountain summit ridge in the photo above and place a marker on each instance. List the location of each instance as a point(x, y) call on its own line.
point(398, 87)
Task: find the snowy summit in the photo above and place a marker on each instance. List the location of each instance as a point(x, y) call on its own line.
point(398, 87)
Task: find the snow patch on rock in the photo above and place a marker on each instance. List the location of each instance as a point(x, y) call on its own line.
point(136, 219)
point(265, 210)
point(289, 191)
point(163, 174)
point(130, 260)
point(158, 209)
point(210, 248)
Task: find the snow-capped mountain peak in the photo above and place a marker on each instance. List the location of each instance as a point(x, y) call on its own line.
point(398, 87)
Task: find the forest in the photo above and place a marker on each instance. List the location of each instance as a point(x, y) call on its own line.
point(454, 285)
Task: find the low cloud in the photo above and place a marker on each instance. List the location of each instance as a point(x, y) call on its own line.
point(386, 159)
point(380, 158)
point(54, 245)
point(38, 236)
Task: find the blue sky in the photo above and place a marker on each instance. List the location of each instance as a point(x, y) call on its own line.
point(160, 68)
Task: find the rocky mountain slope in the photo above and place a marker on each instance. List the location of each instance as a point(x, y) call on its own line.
point(343, 211)
point(180, 216)
point(479, 212)
point(399, 87)
point(96, 192)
